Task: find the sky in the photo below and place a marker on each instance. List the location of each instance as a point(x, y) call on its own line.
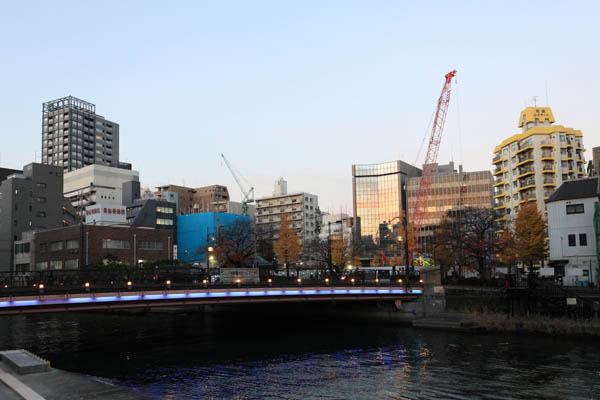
point(301, 90)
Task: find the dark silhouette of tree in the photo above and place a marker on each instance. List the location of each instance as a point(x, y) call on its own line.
point(234, 247)
point(471, 236)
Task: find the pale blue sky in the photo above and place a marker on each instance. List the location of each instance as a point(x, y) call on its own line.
point(295, 89)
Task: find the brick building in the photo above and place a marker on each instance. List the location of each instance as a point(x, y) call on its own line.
point(75, 246)
point(196, 200)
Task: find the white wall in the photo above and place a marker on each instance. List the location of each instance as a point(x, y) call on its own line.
point(561, 225)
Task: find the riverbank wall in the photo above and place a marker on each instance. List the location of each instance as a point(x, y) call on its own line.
point(23, 375)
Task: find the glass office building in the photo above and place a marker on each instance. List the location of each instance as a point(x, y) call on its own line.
point(378, 192)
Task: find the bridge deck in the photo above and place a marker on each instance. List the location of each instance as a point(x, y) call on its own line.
point(163, 298)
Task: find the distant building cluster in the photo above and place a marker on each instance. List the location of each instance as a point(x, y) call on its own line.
point(82, 206)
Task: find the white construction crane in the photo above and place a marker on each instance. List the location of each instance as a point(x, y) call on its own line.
point(247, 195)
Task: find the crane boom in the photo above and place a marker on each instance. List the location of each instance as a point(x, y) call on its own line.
point(431, 157)
point(248, 195)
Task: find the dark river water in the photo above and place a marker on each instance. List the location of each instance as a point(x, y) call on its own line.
point(267, 354)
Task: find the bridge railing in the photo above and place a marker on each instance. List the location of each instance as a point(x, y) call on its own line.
point(124, 279)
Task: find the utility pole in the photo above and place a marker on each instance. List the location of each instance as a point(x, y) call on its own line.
point(329, 262)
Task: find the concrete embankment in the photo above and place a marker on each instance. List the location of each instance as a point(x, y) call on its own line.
point(447, 321)
point(26, 376)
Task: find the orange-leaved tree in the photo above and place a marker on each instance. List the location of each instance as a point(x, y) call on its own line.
point(287, 247)
point(341, 253)
point(530, 235)
point(507, 254)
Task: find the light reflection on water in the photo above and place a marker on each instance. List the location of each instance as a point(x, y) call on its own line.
point(257, 356)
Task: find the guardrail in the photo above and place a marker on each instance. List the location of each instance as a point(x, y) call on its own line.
point(65, 281)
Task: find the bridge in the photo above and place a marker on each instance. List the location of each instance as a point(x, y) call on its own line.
point(130, 298)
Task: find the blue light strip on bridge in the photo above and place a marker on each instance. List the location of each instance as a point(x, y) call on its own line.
point(208, 294)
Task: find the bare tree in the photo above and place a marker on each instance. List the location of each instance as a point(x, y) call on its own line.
point(472, 236)
point(235, 245)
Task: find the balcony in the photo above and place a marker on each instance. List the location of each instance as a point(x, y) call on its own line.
point(548, 169)
point(526, 171)
point(524, 147)
point(526, 184)
point(547, 143)
point(499, 181)
point(499, 193)
point(498, 171)
point(527, 199)
point(497, 159)
point(549, 182)
point(525, 158)
point(547, 155)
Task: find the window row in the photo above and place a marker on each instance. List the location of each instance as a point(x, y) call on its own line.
point(582, 240)
point(57, 264)
point(59, 245)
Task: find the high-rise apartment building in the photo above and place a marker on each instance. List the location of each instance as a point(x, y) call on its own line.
point(74, 136)
point(378, 192)
point(530, 165)
point(303, 211)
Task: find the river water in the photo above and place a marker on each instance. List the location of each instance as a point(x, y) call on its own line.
point(265, 354)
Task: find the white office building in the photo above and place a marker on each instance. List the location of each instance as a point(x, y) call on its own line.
point(573, 252)
point(97, 184)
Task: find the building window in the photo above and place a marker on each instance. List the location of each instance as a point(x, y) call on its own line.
point(115, 244)
point(72, 264)
point(42, 266)
point(582, 239)
point(41, 214)
point(72, 244)
point(575, 209)
point(21, 248)
point(164, 210)
point(55, 246)
point(41, 199)
point(56, 264)
point(22, 268)
point(41, 185)
point(572, 241)
point(150, 245)
point(43, 247)
point(163, 221)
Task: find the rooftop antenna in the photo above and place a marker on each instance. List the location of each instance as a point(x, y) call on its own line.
point(535, 101)
point(547, 102)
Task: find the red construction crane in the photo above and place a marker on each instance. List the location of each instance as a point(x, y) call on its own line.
point(431, 158)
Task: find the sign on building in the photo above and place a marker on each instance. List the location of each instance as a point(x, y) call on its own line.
point(105, 213)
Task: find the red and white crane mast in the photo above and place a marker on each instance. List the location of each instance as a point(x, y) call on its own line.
point(432, 153)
